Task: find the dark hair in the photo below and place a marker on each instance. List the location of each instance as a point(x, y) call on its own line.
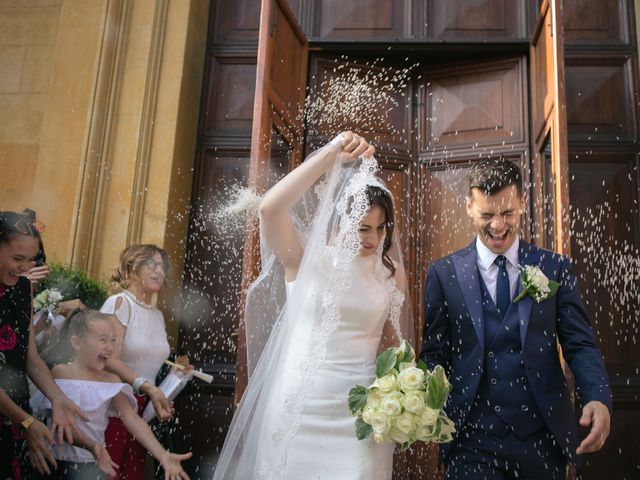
point(131, 260)
point(492, 175)
point(13, 224)
point(380, 197)
point(77, 323)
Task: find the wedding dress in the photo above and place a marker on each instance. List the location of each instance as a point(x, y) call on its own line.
point(325, 445)
point(310, 341)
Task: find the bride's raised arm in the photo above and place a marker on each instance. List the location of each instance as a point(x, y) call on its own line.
point(277, 227)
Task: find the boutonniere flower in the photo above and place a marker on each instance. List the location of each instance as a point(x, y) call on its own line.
point(535, 284)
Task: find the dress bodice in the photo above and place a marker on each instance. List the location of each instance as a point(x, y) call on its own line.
point(145, 346)
point(363, 307)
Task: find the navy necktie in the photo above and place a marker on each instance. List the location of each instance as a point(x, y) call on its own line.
point(503, 291)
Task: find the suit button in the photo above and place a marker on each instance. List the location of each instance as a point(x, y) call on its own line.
point(497, 408)
point(524, 379)
point(490, 354)
point(493, 381)
point(524, 408)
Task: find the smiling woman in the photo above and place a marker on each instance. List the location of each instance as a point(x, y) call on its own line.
point(19, 245)
point(141, 346)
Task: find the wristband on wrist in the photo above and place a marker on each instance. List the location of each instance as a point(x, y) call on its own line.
point(137, 383)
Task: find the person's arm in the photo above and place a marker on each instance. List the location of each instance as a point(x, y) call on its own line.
point(162, 406)
point(39, 438)
point(585, 360)
point(436, 339)
point(276, 226)
point(143, 434)
point(63, 410)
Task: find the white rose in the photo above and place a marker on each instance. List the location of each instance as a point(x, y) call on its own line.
point(424, 432)
point(538, 279)
point(380, 438)
point(55, 295)
point(380, 422)
point(367, 412)
point(405, 422)
point(413, 402)
point(373, 398)
point(399, 436)
point(391, 404)
point(411, 378)
point(387, 383)
point(429, 416)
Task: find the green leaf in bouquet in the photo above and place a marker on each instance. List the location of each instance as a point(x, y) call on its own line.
point(446, 429)
point(422, 366)
point(437, 388)
point(405, 353)
point(385, 362)
point(357, 399)
point(363, 429)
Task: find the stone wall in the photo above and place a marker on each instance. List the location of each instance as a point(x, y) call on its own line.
point(99, 107)
point(28, 32)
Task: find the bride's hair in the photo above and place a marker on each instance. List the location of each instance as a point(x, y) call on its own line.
point(380, 197)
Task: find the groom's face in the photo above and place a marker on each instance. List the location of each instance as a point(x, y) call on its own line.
point(496, 217)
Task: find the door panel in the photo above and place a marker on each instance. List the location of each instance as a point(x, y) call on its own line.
point(277, 132)
point(549, 126)
point(473, 106)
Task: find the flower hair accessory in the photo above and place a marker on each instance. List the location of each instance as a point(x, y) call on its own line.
point(535, 284)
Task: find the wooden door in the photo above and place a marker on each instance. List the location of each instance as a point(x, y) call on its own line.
point(550, 197)
point(277, 136)
point(432, 124)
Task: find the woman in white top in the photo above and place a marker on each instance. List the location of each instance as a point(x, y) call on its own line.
point(142, 345)
point(90, 336)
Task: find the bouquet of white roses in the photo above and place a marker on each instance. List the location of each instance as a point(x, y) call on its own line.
point(48, 300)
point(405, 403)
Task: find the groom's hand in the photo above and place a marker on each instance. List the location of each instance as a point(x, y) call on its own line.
point(597, 415)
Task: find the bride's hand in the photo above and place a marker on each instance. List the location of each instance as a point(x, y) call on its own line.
point(353, 147)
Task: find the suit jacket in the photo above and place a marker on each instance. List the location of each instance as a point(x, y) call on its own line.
point(454, 338)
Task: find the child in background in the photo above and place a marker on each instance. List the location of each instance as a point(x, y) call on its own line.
point(99, 394)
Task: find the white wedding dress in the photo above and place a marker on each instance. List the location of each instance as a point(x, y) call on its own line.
point(325, 444)
point(310, 341)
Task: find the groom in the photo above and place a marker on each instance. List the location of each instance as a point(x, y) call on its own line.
point(509, 398)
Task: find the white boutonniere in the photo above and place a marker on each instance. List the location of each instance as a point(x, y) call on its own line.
point(535, 284)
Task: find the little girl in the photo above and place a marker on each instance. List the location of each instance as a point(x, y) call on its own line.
point(99, 395)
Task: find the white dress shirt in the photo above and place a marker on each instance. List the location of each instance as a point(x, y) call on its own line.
point(489, 270)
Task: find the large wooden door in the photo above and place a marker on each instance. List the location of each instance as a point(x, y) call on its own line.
point(277, 136)
point(550, 197)
point(433, 123)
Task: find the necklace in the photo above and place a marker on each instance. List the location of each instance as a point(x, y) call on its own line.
point(139, 302)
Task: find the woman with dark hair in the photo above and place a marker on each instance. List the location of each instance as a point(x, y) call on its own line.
point(19, 245)
point(329, 297)
point(141, 348)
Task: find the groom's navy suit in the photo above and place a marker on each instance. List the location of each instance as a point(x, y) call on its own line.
point(505, 371)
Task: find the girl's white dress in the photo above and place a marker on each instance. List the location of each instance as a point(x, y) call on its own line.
point(94, 399)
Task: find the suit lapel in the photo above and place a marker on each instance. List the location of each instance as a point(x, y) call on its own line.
point(527, 255)
point(466, 266)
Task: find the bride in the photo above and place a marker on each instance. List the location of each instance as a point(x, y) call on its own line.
point(329, 297)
